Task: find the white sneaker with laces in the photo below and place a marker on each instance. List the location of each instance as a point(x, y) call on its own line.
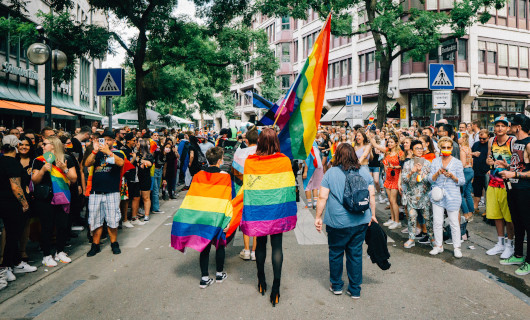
point(435, 250)
point(498, 249)
point(244, 254)
point(508, 251)
point(381, 199)
point(389, 222)
point(62, 257)
point(253, 255)
point(395, 225)
point(137, 222)
point(23, 267)
point(128, 224)
point(9, 275)
point(458, 253)
point(48, 261)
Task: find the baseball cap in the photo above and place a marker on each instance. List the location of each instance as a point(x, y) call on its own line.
point(129, 136)
point(108, 133)
point(11, 140)
point(502, 119)
point(522, 120)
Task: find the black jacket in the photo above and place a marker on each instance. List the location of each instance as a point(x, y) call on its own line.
point(377, 246)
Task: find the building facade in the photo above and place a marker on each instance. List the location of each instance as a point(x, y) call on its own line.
point(22, 83)
point(491, 68)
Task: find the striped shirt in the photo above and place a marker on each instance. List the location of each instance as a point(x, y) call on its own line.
point(452, 198)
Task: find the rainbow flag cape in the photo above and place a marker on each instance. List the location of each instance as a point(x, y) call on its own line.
point(300, 111)
point(313, 161)
point(269, 195)
point(204, 213)
point(60, 187)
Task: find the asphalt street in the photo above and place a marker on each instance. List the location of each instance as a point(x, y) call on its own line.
point(150, 280)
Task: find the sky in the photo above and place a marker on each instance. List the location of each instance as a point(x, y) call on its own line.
point(115, 61)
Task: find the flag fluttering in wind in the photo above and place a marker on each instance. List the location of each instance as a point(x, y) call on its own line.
point(298, 114)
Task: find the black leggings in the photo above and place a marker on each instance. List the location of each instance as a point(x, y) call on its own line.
point(277, 256)
point(14, 225)
point(219, 259)
point(52, 216)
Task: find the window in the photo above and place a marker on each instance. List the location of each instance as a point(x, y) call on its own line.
point(295, 49)
point(446, 4)
point(270, 32)
point(295, 24)
point(370, 61)
point(344, 68)
point(523, 57)
point(513, 56)
point(503, 55)
point(492, 52)
point(286, 52)
point(362, 67)
point(336, 71)
point(417, 4)
point(462, 49)
point(285, 23)
point(285, 82)
point(511, 7)
point(432, 4)
point(522, 9)
point(481, 51)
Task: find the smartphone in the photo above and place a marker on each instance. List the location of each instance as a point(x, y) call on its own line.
point(101, 141)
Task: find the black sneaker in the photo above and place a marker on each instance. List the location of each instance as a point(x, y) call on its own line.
point(115, 247)
point(425, 240)
point(203, 284)
point(156, 211)
point(220, 278)
point(94, 249)
point(420, 235)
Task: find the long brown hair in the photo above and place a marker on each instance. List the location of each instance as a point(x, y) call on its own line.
point(268, 143)
point(345, 156)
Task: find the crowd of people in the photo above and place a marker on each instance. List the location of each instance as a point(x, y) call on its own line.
point(432, 179)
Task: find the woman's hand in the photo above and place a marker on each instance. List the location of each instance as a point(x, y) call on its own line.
point(46, 167)
point(374, 219)
point(62, 165)
point(304, 176)
point(318, 224)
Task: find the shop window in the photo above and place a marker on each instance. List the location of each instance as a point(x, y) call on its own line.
point(285, 23)
point(421, 108)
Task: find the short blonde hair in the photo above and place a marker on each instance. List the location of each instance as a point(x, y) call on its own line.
point(445, 140)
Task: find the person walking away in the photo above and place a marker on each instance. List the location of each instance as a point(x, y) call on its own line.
point(519, 193)
point(269, 205)
point(499, 158)
point(346, 230)
point(416, 186)
point(312, 176)
point(104, 200)
point(14, 205)
point(446, 177)
point(466, 158)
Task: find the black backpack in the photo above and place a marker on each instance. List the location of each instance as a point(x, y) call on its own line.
point(201, 158)
point(356, 197)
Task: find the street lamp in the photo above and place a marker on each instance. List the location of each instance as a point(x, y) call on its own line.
point(40, 53)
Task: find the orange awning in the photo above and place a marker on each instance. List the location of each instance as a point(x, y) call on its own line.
point(36, 109)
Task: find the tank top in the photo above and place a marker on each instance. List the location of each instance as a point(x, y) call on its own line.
point(518, 165)
point(359, 152)
point(500, 152)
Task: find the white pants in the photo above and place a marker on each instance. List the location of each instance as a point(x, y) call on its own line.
point(437, 225)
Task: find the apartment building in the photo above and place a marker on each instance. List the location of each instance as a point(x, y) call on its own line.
point(491, 68)
point(22, 83)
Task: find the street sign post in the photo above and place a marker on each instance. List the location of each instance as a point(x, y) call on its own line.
point(441, 76)
point(441, 99)
point(109, 82)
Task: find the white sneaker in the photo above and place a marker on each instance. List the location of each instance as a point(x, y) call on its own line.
point(48, 261)
point(406, 230)
point(9, 275)
point(508, 251)
point(244, 254)
point(498, 249)
point(127, 224)
point(435, 250)
point(62, 257)
point(78, 228)
point(23, 267)
point(3, 283)
point(458, 253)
point(481, 203)
point(381, 199)
point(253, 255)
point(388, 223)
point(137, 222)
point(395, 225)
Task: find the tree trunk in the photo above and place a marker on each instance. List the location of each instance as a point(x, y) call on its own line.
point(382, 99)
point(140, 98)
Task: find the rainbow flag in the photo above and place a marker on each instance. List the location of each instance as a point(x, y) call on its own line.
point(332, 151)
point(269, 195)
point(204, 213)
point(313, 162)
point(60, 187)
point(299, 113)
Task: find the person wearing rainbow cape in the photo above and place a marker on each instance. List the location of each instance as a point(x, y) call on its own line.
point(203, 218)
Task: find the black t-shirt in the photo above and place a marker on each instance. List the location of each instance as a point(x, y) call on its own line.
point(9, 168)
point(46, 179)
point(106, 176)
point(518, 164)
point(77, 149)
point(159, 159)
point(479, 163)
point(144, 174)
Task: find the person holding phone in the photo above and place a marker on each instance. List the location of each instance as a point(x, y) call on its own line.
point(416, 187)
point(446, 177)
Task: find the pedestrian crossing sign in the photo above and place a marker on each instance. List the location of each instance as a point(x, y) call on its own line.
point(441, 76)
point(109, 82)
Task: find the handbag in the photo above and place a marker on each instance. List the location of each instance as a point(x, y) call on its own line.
point(40, 191)
point(437, 194)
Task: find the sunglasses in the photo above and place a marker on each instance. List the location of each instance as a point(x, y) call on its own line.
point(482, 139)
point(45, 143)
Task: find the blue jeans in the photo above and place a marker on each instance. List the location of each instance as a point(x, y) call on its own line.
point(467, 199)
point(349, 240)
point(156, 180)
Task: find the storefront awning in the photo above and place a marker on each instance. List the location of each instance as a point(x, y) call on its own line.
point(370, 108)
point(86, 115)
point(35, 110)
point(328, 117)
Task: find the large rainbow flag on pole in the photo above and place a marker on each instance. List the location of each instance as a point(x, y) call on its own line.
point(204, 213)
point(269, 195)
point(300, 111)
point(60, 186)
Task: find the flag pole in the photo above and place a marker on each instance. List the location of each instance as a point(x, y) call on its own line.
point(286, 99)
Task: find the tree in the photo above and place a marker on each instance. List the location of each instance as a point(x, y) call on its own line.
point(397, 29)
point(209, 55)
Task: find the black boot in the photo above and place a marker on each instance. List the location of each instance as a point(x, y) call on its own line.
point(275, 292)
point(94, 249)
point(262, 285)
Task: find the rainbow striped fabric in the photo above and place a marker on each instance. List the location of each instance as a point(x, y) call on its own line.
point(300, 116)
point(313, 161)
point(60, 187)
point(269, 195)
point(204, 213)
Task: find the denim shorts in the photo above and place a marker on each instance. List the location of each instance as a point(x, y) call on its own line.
point(373, 169)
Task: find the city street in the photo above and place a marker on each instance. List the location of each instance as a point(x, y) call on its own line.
point(152, 280)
